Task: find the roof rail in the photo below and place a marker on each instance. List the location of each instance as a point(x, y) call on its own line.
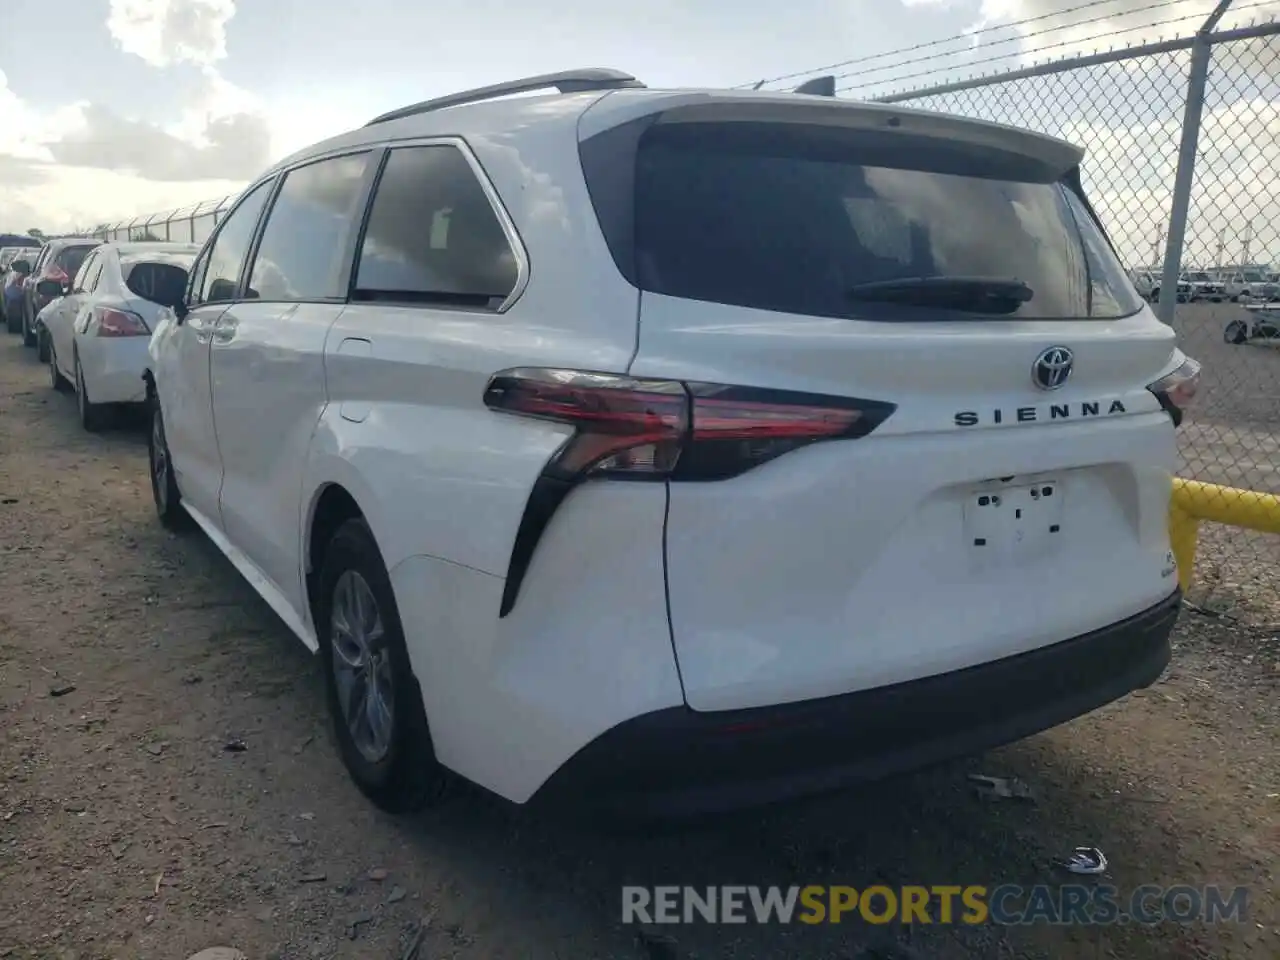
point(567, 81)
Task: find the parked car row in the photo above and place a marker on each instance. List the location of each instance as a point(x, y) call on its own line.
point(1200, 285)
point(89, 308)
point(644, 450)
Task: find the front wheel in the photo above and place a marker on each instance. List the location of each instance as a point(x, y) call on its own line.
point(42, 345)
point(374, 699)
point(1235, 332)
point(164, 486)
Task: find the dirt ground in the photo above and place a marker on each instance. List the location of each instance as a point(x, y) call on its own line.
point(168, 783)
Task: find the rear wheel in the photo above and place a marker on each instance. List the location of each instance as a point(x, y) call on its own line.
point(56, 379)
point(91, 414)
point(1235, 332)
point(374, 700)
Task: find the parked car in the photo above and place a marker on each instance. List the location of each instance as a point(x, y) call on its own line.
point(1204, 287)
point(1181, 295)
point(610, 450)
point(1249, 285)
point(11, 303)
point(1144, 282)
point(95, 337)
point(59, 260)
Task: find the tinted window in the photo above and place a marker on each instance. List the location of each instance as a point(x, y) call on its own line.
point(159, 282)
point(432, 234)
point(71, 259)
point(799, 219)
point(300, 256)
point(87, 277)
point(222, 276)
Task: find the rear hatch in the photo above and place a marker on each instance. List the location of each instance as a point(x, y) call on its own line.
point(946, 272)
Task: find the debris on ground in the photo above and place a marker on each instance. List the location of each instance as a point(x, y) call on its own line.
point(62, 689)
point(1088, 861)
point(1000, 788)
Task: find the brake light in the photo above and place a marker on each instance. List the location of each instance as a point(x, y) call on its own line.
point(1177, 389)
point(641, 429)
point(659, 429)
point(117, 323)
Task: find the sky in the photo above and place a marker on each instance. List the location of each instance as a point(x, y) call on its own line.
point(114, 108)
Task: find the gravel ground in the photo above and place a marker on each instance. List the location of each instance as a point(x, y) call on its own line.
point(130, 660)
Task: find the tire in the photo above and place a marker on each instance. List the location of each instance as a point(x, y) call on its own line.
point(1235, 332)
point(1155, 295)
point(56, 379)
point(164, 486)
point(43, 346)
point(28, 335)
point(92, 414)
point(397, 770)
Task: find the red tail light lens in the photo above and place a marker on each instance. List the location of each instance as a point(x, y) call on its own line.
point(625, 426)
point(117, 323)
point(666, 429)
point(640, 429)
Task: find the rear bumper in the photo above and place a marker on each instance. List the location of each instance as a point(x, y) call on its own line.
point(678, 762)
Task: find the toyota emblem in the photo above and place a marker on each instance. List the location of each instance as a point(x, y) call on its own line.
point(1052, 368)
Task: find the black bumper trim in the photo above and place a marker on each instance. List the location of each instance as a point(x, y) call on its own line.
point(679, 762)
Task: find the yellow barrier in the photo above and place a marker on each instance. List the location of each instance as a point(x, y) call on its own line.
point(1194, 501)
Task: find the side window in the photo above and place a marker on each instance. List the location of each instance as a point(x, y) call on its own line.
point(196, 278)
point(99, 264)
point(221, 273)
point(300, 256)
point(433, 236)
point(81, 283)
point(39, 264)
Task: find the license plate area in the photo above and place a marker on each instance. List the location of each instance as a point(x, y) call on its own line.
point(1014, 523)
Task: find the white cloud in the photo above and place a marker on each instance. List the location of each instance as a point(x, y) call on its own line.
point(165, 32)
point(85, 163)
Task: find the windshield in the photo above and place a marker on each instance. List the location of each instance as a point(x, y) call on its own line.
point(1253, 278)
point(1198, 277)
point(803, 220)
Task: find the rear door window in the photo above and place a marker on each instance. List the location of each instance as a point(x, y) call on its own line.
point(433, 235)
point(831, 222)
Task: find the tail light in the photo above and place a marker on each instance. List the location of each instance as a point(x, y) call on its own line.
point(116, 323)
point(638, 429)
point(1177, 389)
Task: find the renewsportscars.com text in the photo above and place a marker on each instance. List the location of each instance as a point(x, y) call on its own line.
point(1006, 904)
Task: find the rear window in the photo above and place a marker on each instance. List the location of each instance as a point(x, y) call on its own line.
point(801, 219)
point(71, 259)
point(162, 283)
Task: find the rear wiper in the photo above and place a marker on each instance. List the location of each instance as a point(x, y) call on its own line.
point(973, 294)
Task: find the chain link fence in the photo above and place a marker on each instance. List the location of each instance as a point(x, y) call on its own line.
point(1128, 109)
point(1148, 116)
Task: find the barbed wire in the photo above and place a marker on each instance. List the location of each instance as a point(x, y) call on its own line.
point(965, 37)
point(1199, 16)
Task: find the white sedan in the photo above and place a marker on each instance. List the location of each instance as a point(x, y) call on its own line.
point(96, 334)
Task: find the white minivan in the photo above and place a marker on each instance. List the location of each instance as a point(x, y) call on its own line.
point(673, 450)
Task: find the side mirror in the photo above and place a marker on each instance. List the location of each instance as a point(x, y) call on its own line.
point(49, 288)
point(21, 266)
point(180, 310)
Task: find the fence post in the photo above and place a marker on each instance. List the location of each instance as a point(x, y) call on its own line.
point(1197, 77)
